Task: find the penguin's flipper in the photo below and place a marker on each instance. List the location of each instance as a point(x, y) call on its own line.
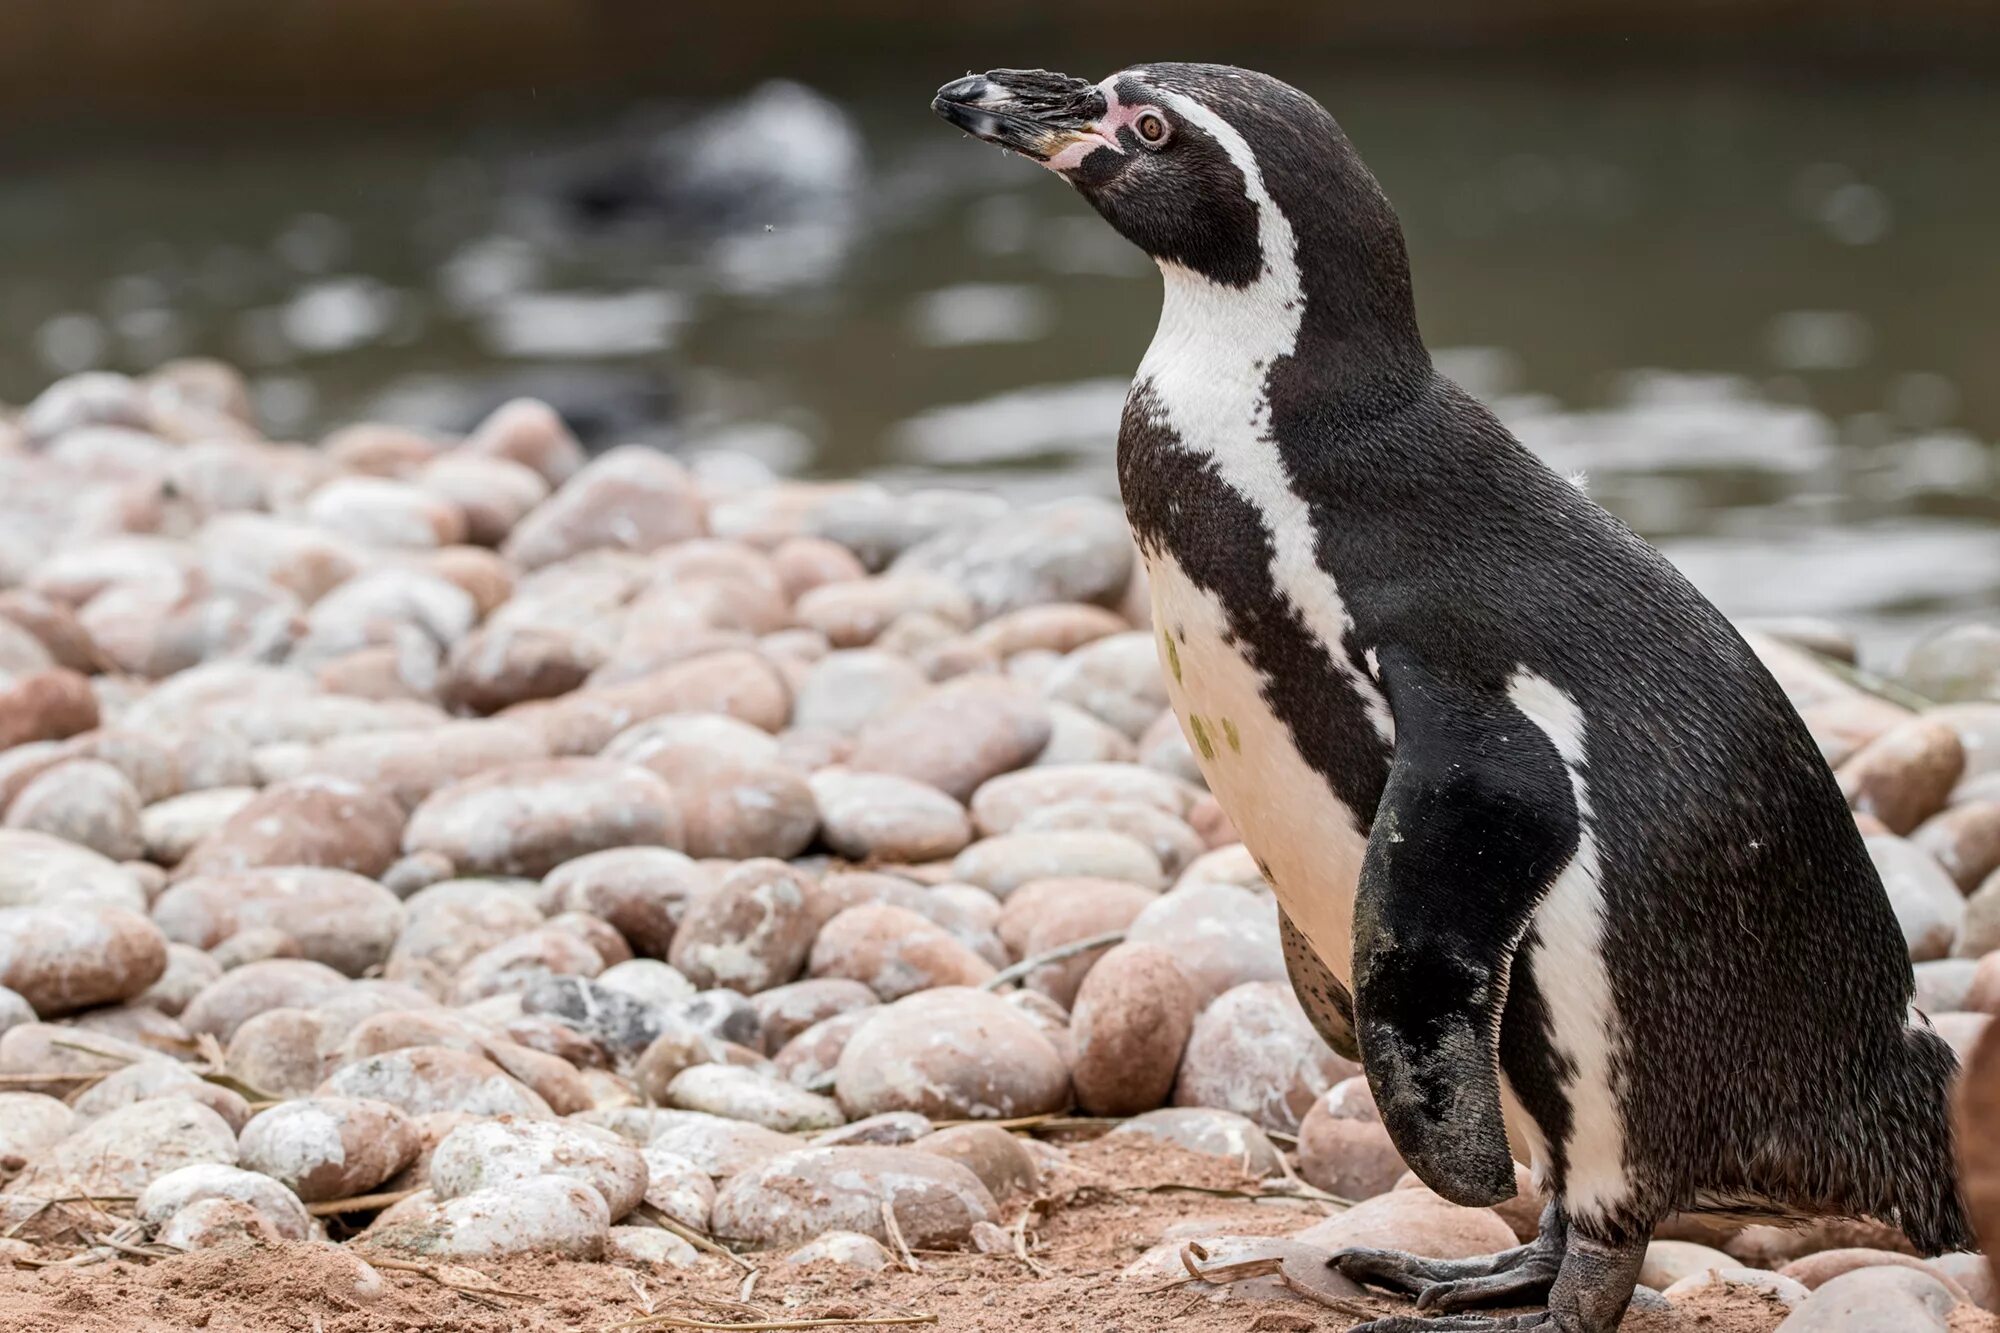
point(1476, 821)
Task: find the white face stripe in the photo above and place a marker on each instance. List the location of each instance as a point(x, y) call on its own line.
point(1207, 365)
point(1570, 971)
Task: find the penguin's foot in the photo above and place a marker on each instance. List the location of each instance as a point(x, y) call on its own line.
point(1586, 1283)
point(1520, 1276)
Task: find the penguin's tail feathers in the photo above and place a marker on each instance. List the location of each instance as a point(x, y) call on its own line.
point(1915, 1139)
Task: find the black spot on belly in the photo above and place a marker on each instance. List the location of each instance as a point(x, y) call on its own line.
point(1180, 506)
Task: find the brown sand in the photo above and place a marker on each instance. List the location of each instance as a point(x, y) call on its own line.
point(1098, 1218)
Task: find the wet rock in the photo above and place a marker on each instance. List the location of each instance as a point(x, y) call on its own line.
point(1132, 1019)
point(497, 1154)
point(526, 819)
point(60, 959)
point(879, 816)
point(340, 919)
point(421, 1080)
point(540, 1215)
point(752, 932)
point(800, 1195)
point(1928, 906)
point(1904, 776)
point(1345, 1149)
point(123, 1152)
point(86, 802)
point(313, 821)
point(269, 1199)
point(737, 1093)
point(893, 952)
point(329, 1147)
point(951, 1054)
point(630, 499)
point(1253, 1051)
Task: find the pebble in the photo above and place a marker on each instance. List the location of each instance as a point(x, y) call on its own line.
point(1345, 1149)
point(990, 1153)
point(643, 891)
point(275, 1204)
point(254, 988)
point(891, 1129)
point(894, 952)
point(733, 805)
point(647, 980)
point(1772, 1288)
point(1928, 906)
point(794, 1197)
point(740, 1093)
point(849, 1249)
point(1965, 840)
point(338, 918)
point(957, 736)
point(84, 801)
point(678, 1187)
point(329, 1147)
point(124, 1151)
point(999, 805)
point(1415, 1221)
point(880, 816)
point(1069, 911)
point(420, 1080)
point(783, 1012)
point(539, 1215)
point(1958, 662)
point(45, 706)
point(855, 613)
point(1075, 550)
point(1816, 1270)
point(529, 818)
point(1167, 837)
point(312, 821)
point(30, 1123)
point(1669, 1261)
point(844, 690)
point(1874, 1298)
point(1004, 863)
point(1253, 1051)
point(712, 1143)
point(412, 762)
point(814, 1054)
point(648, 1247)
point(528, 431)
point(753, 931)
point(951, 1053)
point(171, 828)
point(488, 1155)
point(1215, 1133)
point(1116, 680)
point(1133, 1015)
point(37, 870)
point(1905, 775)
point(61, 959)
point(521, 963)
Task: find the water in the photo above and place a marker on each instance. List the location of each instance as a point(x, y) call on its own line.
point(1760, 317)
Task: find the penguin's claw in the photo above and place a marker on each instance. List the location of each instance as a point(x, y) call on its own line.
point(1540, 1322)
point(1527, 1284)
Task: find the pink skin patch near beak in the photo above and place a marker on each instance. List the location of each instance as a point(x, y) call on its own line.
point(1102, 134)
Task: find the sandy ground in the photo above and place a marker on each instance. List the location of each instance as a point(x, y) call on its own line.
point(1091, 1223)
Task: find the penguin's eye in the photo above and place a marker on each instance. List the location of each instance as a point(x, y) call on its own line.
point(1152, 129)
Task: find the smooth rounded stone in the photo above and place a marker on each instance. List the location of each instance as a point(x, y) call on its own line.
point(1972, 1274)
point(278, 1052)
point(647, 980)
point(1220, 935)
point(880, 816)
point(329, 1147)
point(338, 918)
point(1415, 1221)
point(518, 965)
point(1772, 1288)
point(1928, 906)
point(1117, 680)
point(172, 828)
point(254, 988)
point(894, 952)
point(1076, 737)
point(529, 432)
point(37, 870)
point(493, 494)
point(726, 1014)
point(681, 1048)
point(452, 923)
point(951, 1054)
point(1979, 935)
point(497, 666)
point(955, 737)
point(540, 1215)
point(254, 946)
point(805, 563)
point(84, 801)
point(890, 1129)
point(411, 763)
point(615, 1019)
point(494, 1154)
point(715, 1145)
point(421, 1080)
point(61, 959)
point(1307, 1276)
point(1134, 1013)
point(47, 705)
point(786, 1011)
point(45, 1049)
point(528, 818)
point(30, 1124)
point(736, 683)
point(1060, 628)
point(1001, 804)
point(793, 1198)
point(1875, 1298)
point(1816, 1270)
point(1254, 1051)
point(214, 1221)
point(270, 1199)
point(855, 613)
point(1073, 550)
point(149, 1079)
point(1164, 748)
point(1669, 1261)
point(1905, 775)
point(730, 807)
point(1231, 863)
point(990, 1153)
point(738, 1093)
point(1039, 901)
point(1965, 840)
point(1002, 864)
point(970, 913)
point(752, 932)
point(54, 627)
point(648, 1247)
point(808, 1060)
point(1962, 1031)
point(1957, 663)
point(849, 1249)
point(20, 650)
point(1065, 919)
point(14, 1011)
point(375, 511)
point(419, 870)
point(311, 821)
point(1345, 1149)
point(1171, 840)
point(124, 1151)
point(678, 1187)
point(844, 690)
point(596, 932)
point(877, 526)
point(630, 499)
point(1212, 1132)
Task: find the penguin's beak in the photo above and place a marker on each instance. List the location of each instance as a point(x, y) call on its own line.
point(1051, 118)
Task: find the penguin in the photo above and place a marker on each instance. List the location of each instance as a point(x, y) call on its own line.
point(1553, 851)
